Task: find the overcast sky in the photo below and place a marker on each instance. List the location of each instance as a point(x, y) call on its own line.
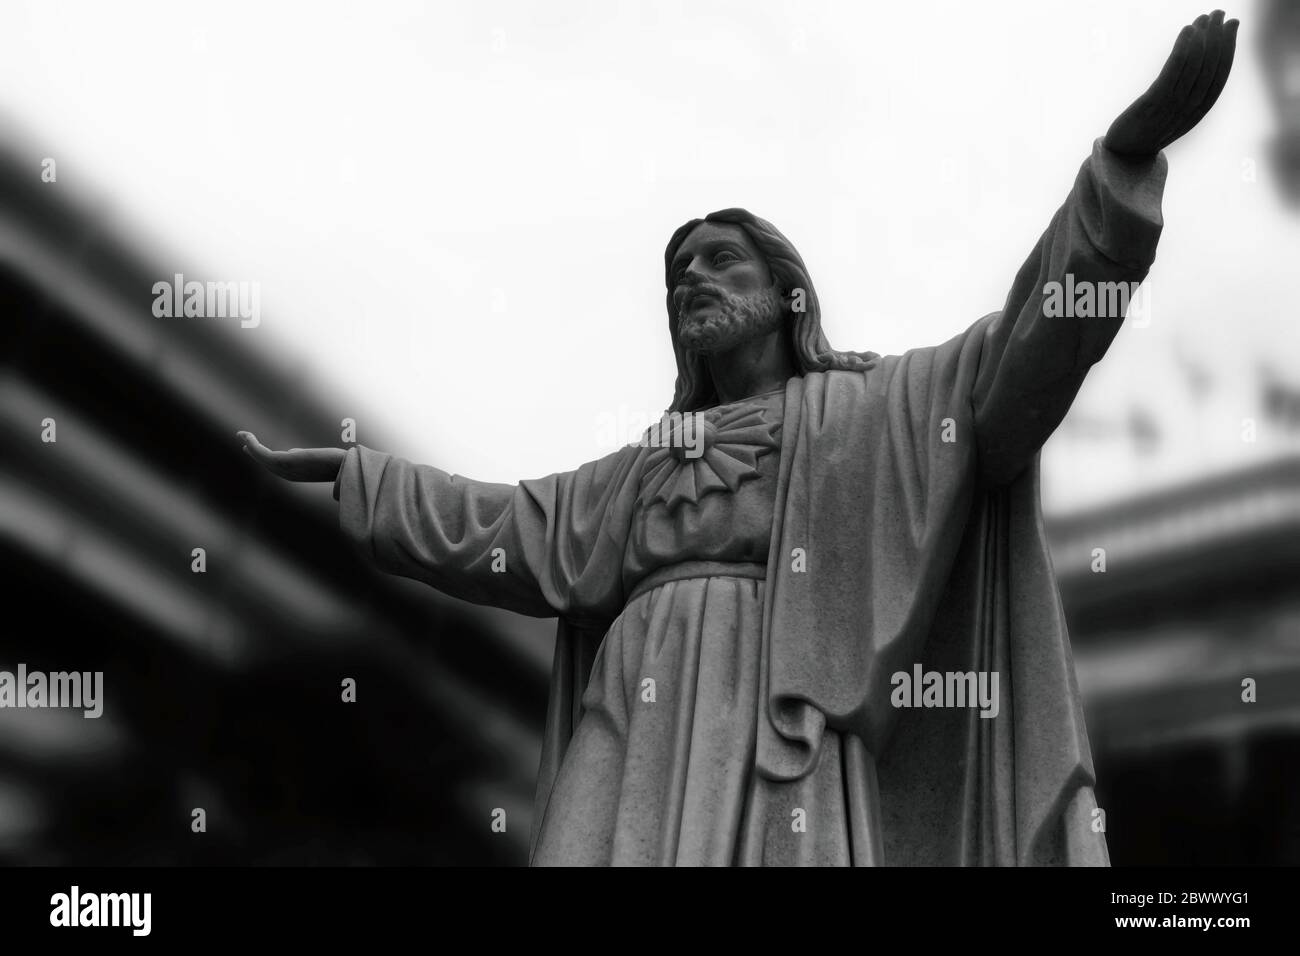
point(457, 213)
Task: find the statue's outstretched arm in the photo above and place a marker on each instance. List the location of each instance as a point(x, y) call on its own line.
point(1070, 296)
point(543, 546)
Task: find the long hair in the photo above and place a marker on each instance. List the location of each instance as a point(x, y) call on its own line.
point(812, 353)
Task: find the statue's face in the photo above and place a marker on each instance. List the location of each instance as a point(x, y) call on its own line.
point(723, 290)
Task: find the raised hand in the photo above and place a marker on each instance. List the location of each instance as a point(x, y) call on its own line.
point(296, 464)
point(1188, 85)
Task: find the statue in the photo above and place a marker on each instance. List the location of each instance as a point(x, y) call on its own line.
point(811, 619)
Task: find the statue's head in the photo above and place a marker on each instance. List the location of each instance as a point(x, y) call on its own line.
point(731, 277)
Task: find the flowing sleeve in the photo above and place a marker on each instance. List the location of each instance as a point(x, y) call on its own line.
point(1061, 313)
point(543, 547)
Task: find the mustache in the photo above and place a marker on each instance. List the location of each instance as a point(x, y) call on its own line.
point(683, 294)
point(738, 317)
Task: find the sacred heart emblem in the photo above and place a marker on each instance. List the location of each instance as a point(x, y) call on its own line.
point(701, 452)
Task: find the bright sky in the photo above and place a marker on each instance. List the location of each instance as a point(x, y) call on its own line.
point(457, 212)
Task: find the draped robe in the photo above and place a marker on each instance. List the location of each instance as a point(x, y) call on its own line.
point(905, 529)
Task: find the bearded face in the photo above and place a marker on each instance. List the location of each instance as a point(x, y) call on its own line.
point(713, 319)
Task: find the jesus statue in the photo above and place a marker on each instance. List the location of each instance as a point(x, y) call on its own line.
point(763, 605)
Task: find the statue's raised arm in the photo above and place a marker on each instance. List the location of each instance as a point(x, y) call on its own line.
point(1070, 296)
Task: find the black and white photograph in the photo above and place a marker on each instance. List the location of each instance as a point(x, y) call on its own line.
point(615, 433)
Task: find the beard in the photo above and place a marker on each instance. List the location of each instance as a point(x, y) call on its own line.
point(736, 319)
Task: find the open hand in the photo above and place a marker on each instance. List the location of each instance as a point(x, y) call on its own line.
point(296, 464)
point(1186, 88)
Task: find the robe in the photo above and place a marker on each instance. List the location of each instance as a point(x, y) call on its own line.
point(905, 530)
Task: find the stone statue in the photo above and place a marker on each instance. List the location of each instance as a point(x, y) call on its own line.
point(811, 619)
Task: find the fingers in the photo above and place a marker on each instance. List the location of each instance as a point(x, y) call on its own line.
point(1164, 84)
point(1213, 34)
point(259, 452)
point(1139, 129)
point(1175, 82)
point(1227, 51)
point(296, 464)
point(1188, 85)
point(1225, 63)
point(1193, 55)
point(1185, 100)
point(1221, 46)
point(251, 444)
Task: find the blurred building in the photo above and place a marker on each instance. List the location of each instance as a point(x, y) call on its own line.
point(224, 687)
point(1179, 605)
point(1278, 39)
